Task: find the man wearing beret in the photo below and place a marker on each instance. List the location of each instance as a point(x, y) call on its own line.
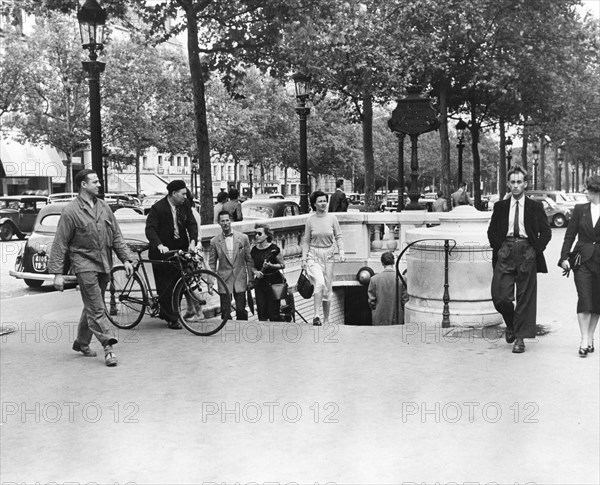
point(170, 226)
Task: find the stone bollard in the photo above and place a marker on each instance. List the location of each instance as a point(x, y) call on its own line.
point(469, 271)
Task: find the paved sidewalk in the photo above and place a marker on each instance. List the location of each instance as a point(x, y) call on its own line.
point(291, 403)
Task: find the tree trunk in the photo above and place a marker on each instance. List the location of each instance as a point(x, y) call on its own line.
point(524, 148)
point(138, 178)
point(367, 129)
point(476, 160)
point(445, 144)
point(555, 152)
point(198, 74)
point(542, 167)
point(502, 168)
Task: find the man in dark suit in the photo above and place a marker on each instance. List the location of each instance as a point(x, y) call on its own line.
point(338, 201)
point(170, 226)
point(231, 250)
point(518, 233)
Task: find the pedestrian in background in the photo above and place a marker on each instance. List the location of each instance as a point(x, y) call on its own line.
point(338, 202)
point(440, 204)
point(585, 225)
point(170, 225)
point(230, 258)
point(321, 235)
point(461, 196)
point(89, 233)
point(386, 296)
point(221, 199)
point(518, 234)
point(233, 206)
point(268, 263)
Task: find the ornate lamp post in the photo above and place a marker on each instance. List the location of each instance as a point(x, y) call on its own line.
point(105, 155)
point(536, 155)
point(560, 165)
point(302, 84)
point(508, 144)
point(91, 19)
point(251, 177)
point(461, 126)
point(195, 167)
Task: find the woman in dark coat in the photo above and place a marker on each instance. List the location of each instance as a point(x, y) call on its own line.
point(585, 262)
point(268, 263)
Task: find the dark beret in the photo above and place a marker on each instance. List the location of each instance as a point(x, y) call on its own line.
point(175, 185)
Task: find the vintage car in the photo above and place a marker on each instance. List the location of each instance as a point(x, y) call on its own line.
point(558, 215)
point(268, 208)
point(120, 201)
point(18, 213)
point(61, 197)
point(31, 264)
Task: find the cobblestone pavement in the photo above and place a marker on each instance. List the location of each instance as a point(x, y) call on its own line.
point(285, 403)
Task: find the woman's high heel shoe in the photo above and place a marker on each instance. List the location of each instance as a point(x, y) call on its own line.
point(583, 352)
point(590, 348)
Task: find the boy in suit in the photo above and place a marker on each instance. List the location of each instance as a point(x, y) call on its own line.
point(230, 258)
point(518, 233)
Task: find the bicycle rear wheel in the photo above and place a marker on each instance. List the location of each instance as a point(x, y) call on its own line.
point(196, 298)
point(124, 299)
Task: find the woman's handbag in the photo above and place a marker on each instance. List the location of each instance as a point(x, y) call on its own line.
point(279, 290)
point(304, 286)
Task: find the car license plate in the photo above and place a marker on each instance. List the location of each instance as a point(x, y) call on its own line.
point(40, 262)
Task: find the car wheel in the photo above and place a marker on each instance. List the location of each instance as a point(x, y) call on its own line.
point(6, 232)
point(34, 283)
point(559, 220)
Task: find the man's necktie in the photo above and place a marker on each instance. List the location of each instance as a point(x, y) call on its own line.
point(516, 222)
point(177, 219)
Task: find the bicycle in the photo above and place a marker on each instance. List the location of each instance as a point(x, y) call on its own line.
point(128, 298)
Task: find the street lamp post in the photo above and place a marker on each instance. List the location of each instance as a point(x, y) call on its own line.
point(536, 155)
point(560, 165)
point(302, 84)
point(573, 180)
point(508, 144)
point(92, 17)
point(250, 177)
point(461, 126)
point(195, 167)
point(105, 155)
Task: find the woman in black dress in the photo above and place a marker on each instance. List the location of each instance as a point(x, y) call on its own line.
point(268, 263)
point(585, 224)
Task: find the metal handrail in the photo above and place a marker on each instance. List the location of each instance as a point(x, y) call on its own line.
point(446, 298)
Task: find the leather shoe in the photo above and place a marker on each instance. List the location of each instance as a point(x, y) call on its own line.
point(509, 336)
point(317, 322)
point(175, 325)
point(110, 359)
point(583, 352)
point(590, 348)
point(84, 349)
point(519, 346)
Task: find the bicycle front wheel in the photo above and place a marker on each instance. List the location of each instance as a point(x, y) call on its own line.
point(124, 299)
point(196, 298)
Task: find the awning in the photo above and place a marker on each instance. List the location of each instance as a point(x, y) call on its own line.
point(26, 160)
point(150, 183)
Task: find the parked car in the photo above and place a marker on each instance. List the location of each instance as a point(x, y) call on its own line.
point(557, 216)
point(578, 198)
point(62, 197)
point(268, 208)
point(32, 261)
point(18, 213)
point(558, 196)
point(31, 264)
point(149, 201)
point(119, 201)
